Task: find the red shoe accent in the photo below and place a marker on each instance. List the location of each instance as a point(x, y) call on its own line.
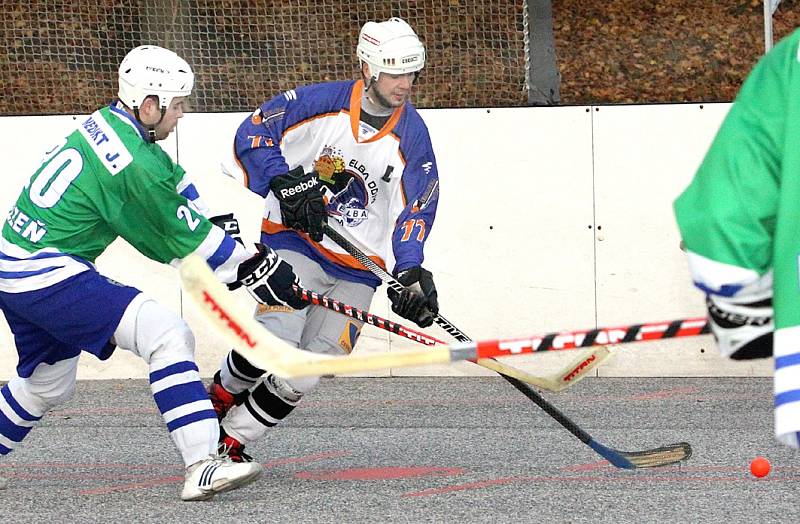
point(233, 448)
point(222, 399)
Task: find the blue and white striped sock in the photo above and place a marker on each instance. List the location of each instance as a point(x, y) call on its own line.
point(15, 421)
point(184, 403)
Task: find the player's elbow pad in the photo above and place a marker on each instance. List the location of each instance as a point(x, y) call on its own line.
point(743, 327)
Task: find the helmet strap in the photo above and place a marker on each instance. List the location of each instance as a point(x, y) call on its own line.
point(369, 79)
point(376, 99)
point(151, 130)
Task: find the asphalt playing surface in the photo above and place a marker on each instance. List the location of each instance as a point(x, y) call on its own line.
point(432, 449)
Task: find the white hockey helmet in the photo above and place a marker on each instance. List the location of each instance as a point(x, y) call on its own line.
point(152, 70)
point(390, 47)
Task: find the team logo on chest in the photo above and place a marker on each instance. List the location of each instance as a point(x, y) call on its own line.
point(346, 186)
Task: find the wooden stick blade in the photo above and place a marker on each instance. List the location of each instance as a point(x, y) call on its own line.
point(651, 458)
point(579, 368)
point(663, 456)
point(576, 370)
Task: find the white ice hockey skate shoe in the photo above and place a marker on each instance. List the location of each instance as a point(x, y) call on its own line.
point(216, 474)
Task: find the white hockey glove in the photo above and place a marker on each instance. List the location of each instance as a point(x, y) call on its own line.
point(269, 279)
point(742, 326)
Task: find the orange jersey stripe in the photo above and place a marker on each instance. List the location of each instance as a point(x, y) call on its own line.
point(241, 166)
point(341, 259)
point(355, 116)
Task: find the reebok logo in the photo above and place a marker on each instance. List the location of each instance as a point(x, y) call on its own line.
point(302, 187)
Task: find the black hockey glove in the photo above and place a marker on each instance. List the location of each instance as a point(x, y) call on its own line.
point(418, 302)
point(743, 327)
point(229, 224)
point(269, 279)
point(302, 205)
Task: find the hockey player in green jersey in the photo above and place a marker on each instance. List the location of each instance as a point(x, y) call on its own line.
point(109, 179)
point(740, 224)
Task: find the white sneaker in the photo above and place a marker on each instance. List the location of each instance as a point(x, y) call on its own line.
point(216, 474)
point(3, 483)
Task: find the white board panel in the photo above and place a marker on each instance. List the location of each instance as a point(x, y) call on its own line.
point(513, 248)
point(511, 251)
point(644, 156)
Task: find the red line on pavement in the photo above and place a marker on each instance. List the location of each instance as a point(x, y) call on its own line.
point(73, 465)
point(135, 485)
point(177, 479)
point(587, 467)
point(104, 411)
point(79, 476)
point(465, 487)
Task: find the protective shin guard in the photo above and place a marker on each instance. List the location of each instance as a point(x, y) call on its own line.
point(269, 403)
point(237, 374)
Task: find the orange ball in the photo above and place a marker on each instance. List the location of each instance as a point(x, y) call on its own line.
point(760, 467)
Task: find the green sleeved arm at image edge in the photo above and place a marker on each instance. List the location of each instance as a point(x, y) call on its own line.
point(729, 211)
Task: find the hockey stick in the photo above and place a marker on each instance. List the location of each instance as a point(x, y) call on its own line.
point(554, 382)
point(661, 456)
point(267, 351)
point(386, 278)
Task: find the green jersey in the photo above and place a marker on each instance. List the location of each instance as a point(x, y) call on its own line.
point(740, 216)
point(103, 181)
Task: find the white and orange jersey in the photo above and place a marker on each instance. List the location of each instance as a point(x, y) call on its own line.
point(381, 185)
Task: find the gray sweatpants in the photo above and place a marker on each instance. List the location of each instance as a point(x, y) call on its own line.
point(315, 328)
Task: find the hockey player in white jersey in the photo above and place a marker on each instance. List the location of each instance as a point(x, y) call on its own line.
point(109, 178)
point(354, 154)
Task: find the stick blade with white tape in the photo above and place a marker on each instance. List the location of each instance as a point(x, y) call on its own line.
point(266, 351)
point(651, 458)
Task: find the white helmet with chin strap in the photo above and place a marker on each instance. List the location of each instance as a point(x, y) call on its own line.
point(150, 70)
point(390, 47)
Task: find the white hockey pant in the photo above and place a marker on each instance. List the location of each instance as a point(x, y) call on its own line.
point(164, 341)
